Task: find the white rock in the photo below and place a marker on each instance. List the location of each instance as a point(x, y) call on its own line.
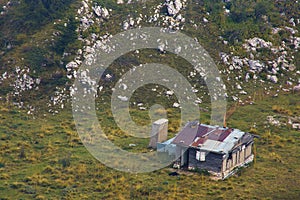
point(170, 92)
point(38, 81)
point(123, 98)
point(255, 65)
point(101, 12)
point(86, 23)
point(256, 42)
point(105, 13)
point(247, 77)
point(176, 105)
point(173, 7)
point(4, 75)
point(179, 17)
point(296, 88)
point(296, 126)
point(131, 22)
point(161, 47)
point(198, 101)
point(108, 76)
point(276, 30)
point(89, 49)
point(273, 78)
point(139, 19)
point(291, 30)
point(85, 5)
point(72, 65)
point(125, 25)
point(291, 21)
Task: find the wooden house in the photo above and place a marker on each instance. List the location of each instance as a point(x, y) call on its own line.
point(219, 150)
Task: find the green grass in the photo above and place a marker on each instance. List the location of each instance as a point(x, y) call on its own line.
point(47, 140)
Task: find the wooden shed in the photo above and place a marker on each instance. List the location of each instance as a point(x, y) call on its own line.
point(219, 150)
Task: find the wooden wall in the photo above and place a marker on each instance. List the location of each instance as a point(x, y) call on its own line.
point(238, 156)
point(217, 163)
point(213, 162)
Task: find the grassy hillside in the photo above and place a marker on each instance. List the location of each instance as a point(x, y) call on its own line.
point(43, 158)
point(41, 155)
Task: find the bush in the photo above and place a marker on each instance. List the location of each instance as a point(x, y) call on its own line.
point(29, 190)
point(29, 15)
point(281, 110)
point(22, 152)
point(68, 37)
point(65, 161)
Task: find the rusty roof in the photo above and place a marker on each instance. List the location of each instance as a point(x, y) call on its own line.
point(203, 130)
point(188, 134)
point(210, 138)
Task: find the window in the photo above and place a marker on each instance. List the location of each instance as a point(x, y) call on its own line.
point(197, 155)
point(200, 155)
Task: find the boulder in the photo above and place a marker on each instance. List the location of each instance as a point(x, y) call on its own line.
point(125, 25)
point(72, 65)
point(273, 78)
point(131, 22)
point(176, 105)
point(296, 88)
point(205, 20)
point(101, 12)
point(173, 7)
point(255, 65)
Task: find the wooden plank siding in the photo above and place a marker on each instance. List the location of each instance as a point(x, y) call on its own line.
point(219, 162)
point(238, 156)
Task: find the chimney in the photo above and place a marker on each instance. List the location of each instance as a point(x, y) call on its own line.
point(224, 121)
point(159, 132)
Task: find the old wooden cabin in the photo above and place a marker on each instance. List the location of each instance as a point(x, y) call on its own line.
point(219, 150)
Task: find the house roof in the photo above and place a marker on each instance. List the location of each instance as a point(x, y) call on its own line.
point(211, 138)
point(187, 136)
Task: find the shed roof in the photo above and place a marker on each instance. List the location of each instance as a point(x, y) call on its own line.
point(210, 138)
point(188, 134)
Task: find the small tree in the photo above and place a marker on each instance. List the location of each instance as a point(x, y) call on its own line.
point(65, 161)
point(22, 154)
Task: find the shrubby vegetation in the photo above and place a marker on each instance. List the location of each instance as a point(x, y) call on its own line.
point(29, 16)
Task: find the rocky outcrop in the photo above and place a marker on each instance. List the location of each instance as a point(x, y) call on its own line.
point(173, 7)
point(273, 78)
point(256, 43)
point(296, 88)
point(101, 12)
